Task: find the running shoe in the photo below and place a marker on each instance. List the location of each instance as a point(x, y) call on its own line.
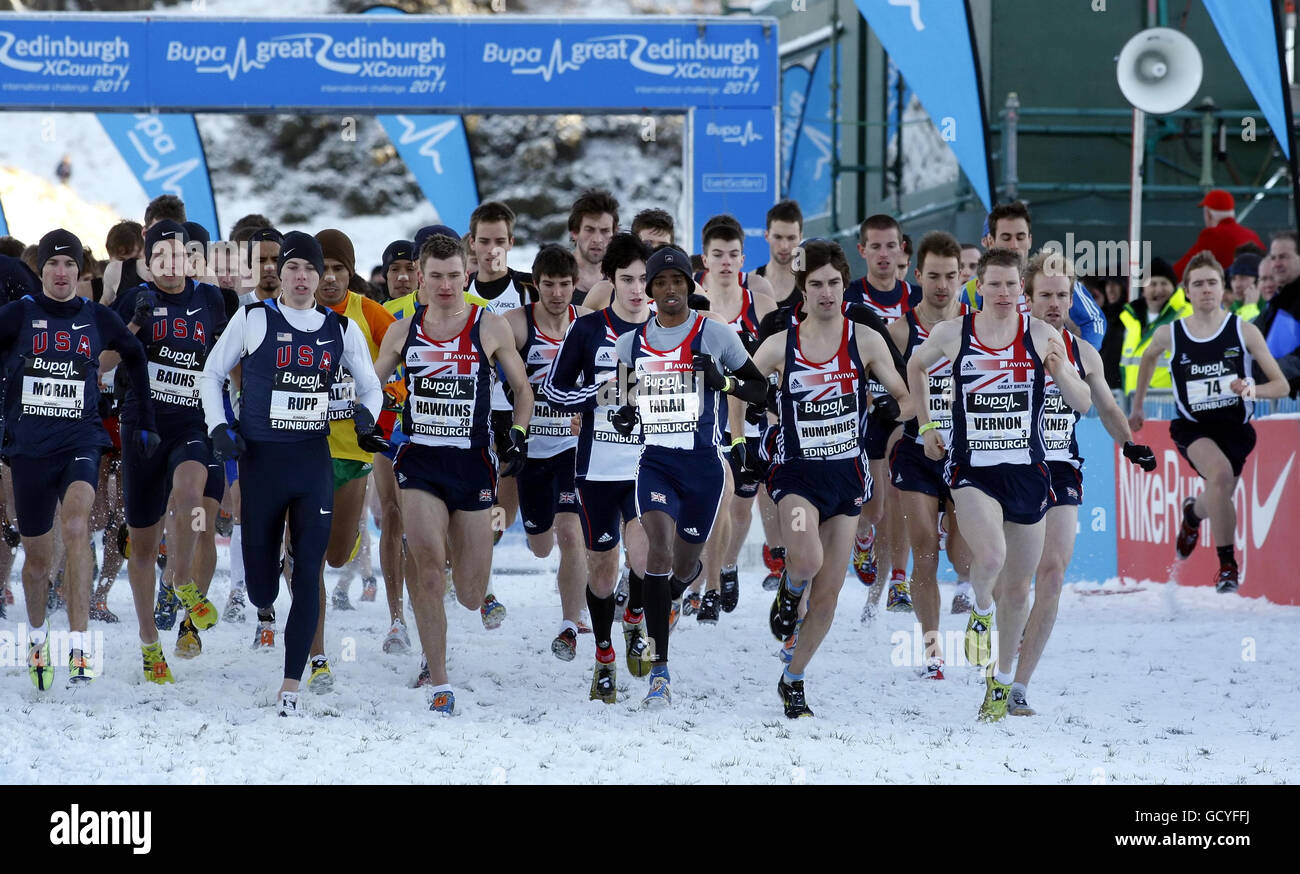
point(397, 640)
point(785, 610)
point(933, 670)
point(786, 653)
point(604, 685)
point(369, 588)
point(691, 602)
point(423, 678)
point(565, 645)
point(235, 603)
point(444, 702)
point(288, 704)
point(900, 597)
point(339, 599)
point(492, 612)
point(961, 602)
point(99, 606)
point(1227, 582)
point(792, 697)
point(660, 695)
point(264, 638)
point(79, 671)
point(39, 664)
point(621, 591)
point(321, 679)
point(637, 649)
point(165, 607)
point(730, 579)
point(1187, 535)
point(188, 645)
point(54, 599)
point(774, 558)
point(155, 664)
point(1018, 706)
point(202, 612)
point(995, 700)
point(225, 523)
point(864, 561)
point(979, 638)
point(708, 612)
point(674, 613)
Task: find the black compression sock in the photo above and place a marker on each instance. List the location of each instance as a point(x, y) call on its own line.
point(1225, 555)
point(635, 592)
point(679, 586)
point(602, 617)
point(656, 612)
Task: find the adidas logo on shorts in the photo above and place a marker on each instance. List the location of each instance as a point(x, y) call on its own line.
point(401, 477)
point(692, 531)
point(658, 498)
point(898, 477)
point(605, 538)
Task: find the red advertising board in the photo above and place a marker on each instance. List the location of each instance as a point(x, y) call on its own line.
point(1267, 538)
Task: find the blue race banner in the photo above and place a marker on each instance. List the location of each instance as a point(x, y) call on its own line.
point(4, 225)
point(1246, 28)
point(381, 62)
point(810, 166)
point(166, 156)
point(733, 168)
point(794, 95)
point(931, 44)
point(436, 151)
point(1096, 554)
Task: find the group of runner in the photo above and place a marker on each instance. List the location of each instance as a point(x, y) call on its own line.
point(617, 393)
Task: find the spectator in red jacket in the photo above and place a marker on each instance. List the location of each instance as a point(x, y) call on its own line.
point(1221, 234)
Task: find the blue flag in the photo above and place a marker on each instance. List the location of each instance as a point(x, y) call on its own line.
point(794, 96)
point(931, 44)
point(4, 225)
point(166, 156)
point(810, 166)
point(1246, 28)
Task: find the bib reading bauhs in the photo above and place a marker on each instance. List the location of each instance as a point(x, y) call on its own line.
point(287, 379)
point(997, 409)
point(448, 384)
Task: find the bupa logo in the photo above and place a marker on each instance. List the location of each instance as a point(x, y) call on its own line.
point(153, 144)
point(66, 56)
point(672, 57)
point(734, 133)
point(364, 57)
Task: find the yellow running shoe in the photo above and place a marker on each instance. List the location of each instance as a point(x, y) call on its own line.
point(979, 638)
point(995, 700)
point(604, 682)
point(79, 672)
point(188, 645)
point(638, 649)
point(321, 680)
point(155, 664)
point(203, 613)
point(39, 664)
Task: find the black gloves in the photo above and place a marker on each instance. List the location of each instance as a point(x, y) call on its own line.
point(884, 411)
point(143, 307)
point(226, 443)
point(742, 466)
point(624, 419)
point(517, 453)
point(368, 436)
point(1140, 455)
point(709, 371)
point(147, 442)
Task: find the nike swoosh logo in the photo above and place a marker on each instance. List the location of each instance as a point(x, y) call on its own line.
point(326, 512)
point(80, 458)
point(1261, 515)
point(61, 248)
point(192, 312)
point(77, 327)
point(194, 443)
point(323, 342)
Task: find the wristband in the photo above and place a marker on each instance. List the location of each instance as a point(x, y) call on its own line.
point(520, 428)
point(737, 440)
point(728, 383)
point(928, 426)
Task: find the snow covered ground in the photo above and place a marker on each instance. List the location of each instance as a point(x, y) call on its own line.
point(1169, 684)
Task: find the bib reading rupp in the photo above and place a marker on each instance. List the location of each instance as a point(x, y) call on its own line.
point(549, 432)
point(940, 384)
point(178, 335)
point(677, 410)
point(448, 384)
point(997, 401)
point(1059, 419)
point(288, 377)
point(1203, 371)
point(821, 403)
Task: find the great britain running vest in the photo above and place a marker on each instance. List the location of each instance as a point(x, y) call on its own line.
point(448, 383)
point(677, 410)
point(939, 377)
point(1059, 419)
point(997, 406)
point(549, 431)
point(821, 402)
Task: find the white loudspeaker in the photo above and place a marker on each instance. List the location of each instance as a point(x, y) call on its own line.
point(1159, 70)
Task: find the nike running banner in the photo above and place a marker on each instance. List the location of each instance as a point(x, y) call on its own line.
point(1247, 30)
point(810, 165)
point(436, 151)
point(386, 62)
point(932, 45)
point(166, 156)
point(794, 96)
point(733, 169)
point(1267, 501)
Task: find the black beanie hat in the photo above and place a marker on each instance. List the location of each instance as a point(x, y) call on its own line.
point(196, 231)
point(398, 250)
point(60, 242)
point(163, 230)
point(669, 258)
point(428, 231)
point(1161, 267)
point(296, 244)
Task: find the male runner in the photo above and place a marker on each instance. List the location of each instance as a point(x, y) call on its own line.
point(970, 258)
point(53, 436)
point(918, 478)
point(446, 471)
point(654, 227)
point(547, 499)
point(680, 478)
point(290, 351)
point(999, 483)
point(784, 231)
point(593, 219)
point(1049, 286)
point(584, 377)
point(816, 475)
point(1212, 353)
